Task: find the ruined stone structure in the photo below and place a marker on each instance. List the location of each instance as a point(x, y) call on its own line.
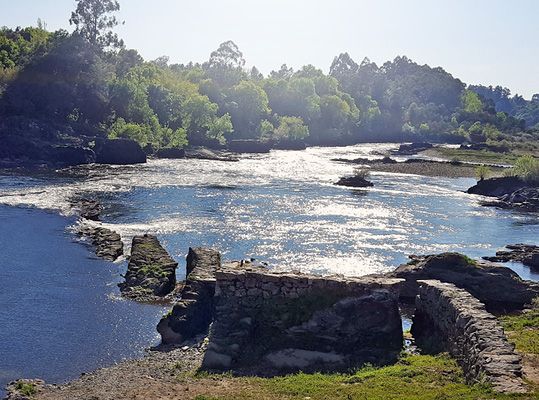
point(194, 312)
point(499, 288)
point(151, 272)
point(450, 319)
point(277, 323)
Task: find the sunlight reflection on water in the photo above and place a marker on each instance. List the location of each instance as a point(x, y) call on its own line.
point(284, 208)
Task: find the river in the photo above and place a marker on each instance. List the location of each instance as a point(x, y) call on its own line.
point(60, 309)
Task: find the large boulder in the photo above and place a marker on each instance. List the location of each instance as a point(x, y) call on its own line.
point(496, 187)
point(71, 155)
point(412, 148)
point(119, 152)
point(499, 288)
point(289, 145)
point(203, 153)
point(171, 152)
point(249, 146)
point(354, 181)
point(524, 199)
point(151, 273)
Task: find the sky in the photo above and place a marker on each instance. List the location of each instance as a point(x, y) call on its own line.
point(490, 42)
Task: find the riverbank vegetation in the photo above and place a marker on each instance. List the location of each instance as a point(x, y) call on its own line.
point(55, 86)
point(523, 330)
point(413, 377)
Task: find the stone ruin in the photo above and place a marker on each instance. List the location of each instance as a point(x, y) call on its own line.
point(288, 322)
point(267, 323)
point(451, 319)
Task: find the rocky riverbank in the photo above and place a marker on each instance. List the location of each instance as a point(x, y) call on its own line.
point(306, 313)
point(511, 192)
point(524, 253)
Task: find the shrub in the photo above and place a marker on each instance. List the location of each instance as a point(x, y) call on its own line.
point(526, 168)
point(482, 172)
point(26, 389)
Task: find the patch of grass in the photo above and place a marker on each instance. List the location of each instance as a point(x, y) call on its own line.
point(476, 156)
point(414, 377)
point(523, 330)
point(152, 271)
point(26, 389)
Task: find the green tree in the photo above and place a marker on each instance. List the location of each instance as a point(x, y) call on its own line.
point(94, 20)
point(471, 102)
point(291, 128)
point(247, 104)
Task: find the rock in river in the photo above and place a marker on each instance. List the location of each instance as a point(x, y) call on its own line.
point(525, 253)
point(108, 244)
point(499, 288)
point(496, 187)
point(88, 209)
point(354, 181)
point(119, 152)
point(151, 273)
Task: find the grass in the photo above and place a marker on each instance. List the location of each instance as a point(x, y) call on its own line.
point(475, 156)
point(152, 271)
point(523, 330)
point(413, 377)
point(26, 389)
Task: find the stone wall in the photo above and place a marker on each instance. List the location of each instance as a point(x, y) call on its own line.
point(450, 319)
point(269, 323)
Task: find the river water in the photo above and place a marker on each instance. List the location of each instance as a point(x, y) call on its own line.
point(60, 311)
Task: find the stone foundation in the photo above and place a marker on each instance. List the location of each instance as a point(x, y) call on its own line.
point(451, 319)
point(272, 323)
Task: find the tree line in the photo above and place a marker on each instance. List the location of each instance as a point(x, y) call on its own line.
point(87, 83)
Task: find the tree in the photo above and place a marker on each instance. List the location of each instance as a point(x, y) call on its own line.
point(248, 105)
point(471, 102)
point(291, 128)
point(93, 20)
point(226, 64)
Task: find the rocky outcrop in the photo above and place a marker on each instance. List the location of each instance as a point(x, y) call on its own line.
point(69, 155)
point(107, 244)
point(193, 314)
point(151, 272)
point(497, 187)
point(203, 153)
point(499, 288)
point(354, 181)
point(118, 152)
point(87, 208)
point(412, 148)
point(289, 145)
point(524, 253)
point(526, 199)
point(269, 323)
point(249, 146)
point(171, 152)
point(450, 319)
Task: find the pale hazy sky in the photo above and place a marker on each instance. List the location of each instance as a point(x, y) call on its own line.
point(479, 41)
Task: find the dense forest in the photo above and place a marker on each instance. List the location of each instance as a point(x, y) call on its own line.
point(60, 86)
